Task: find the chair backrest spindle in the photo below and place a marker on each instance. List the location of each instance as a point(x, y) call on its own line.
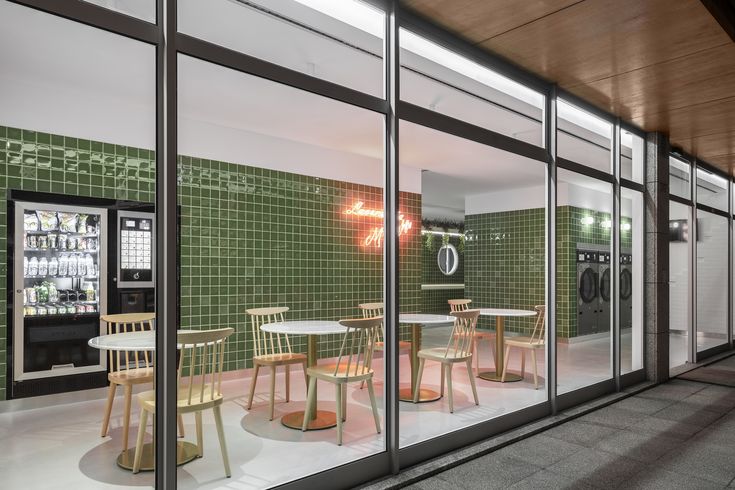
point(459, 304)
point(201, 363)
point(463, 331)
point(268, 343)
point(358, 345)
point(123, 323)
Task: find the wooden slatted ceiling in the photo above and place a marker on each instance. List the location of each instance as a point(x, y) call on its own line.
point(665, 65)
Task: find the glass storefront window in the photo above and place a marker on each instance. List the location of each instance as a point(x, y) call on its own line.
point(680, 178)
point(77, 141)
point(631, 271)
point(583, 137)
point(712, 279)
point(141, 9)
point(341, 42)
point(711, 189)
point(632, 156)
point(584, 302)
point(679, 284)
point(494, 216)
point(281, 202)
point(441, 80)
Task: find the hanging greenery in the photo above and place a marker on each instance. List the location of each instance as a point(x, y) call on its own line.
point(430, 242)
point(445, 239)
point(460, 246)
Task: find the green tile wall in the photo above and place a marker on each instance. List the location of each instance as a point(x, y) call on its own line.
point(505, 263)
point(433, 300)
point(505, 260)
point(253, 237)
point(249, 236)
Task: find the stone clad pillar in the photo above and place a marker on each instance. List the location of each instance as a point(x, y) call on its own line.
point(656, 300)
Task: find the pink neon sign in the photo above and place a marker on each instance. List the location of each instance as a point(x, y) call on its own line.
point(375, 236)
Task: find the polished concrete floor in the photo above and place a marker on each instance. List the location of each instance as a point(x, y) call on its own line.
point(59, 435)
point(678, 435)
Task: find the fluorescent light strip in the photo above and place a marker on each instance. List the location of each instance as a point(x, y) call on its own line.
point(583, 119)
point(356, 14)
point(441, 233)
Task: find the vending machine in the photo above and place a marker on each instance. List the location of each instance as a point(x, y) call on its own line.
point(59, 292)
point(134, 280)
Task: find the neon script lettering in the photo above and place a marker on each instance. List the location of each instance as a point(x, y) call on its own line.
point(375, 236)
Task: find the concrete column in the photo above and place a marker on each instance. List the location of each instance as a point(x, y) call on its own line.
point(656, 301)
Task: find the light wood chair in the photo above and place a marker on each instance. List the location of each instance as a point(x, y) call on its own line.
point(371, 310)
point(462, 305)
point(534, 342)
point(127, 368)
point(272, 350)
point(354, 364)
point(199, 381)
point(458, 349)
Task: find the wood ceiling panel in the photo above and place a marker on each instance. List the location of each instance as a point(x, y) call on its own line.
point(690, 122)
point(689, 80)
point(726, 163)
point(477, 21)
point(596, 39)
point(710, 145)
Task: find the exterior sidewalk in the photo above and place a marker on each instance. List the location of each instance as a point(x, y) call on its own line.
point(680, 434)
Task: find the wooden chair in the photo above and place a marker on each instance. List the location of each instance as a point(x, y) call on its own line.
point(354, 364)
point(371, 310)
point(534, 342)
point(462, 305)
point(127, 368)
point(271, 350)
point(199, 381)
point(458, 349)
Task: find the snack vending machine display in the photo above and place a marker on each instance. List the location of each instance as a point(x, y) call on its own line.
point(135, 250)
point(59, 278)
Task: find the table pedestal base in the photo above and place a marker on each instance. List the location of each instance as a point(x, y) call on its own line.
point(185, 452)
point(425, 395)
point(494, 376)
point(324, 420)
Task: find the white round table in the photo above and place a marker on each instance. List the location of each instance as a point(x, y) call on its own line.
point(417, 321)
point(500, 314)
point(322, 419)
point(144, 341)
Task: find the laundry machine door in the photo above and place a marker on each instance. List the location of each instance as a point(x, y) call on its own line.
point(588, 286)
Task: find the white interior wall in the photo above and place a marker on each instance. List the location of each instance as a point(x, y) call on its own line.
point(678, 275)
point(712, 273)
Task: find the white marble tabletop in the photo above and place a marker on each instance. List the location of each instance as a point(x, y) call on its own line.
point(128, 341)
point(506, 312)
point(424, 319)
point(304, 327)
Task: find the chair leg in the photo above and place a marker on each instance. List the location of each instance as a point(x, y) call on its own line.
point(252, 386)
point(108, 408)
point(505, 364)
point(476, 354)
point(272, 403)
point(309, 402)
point(535, 368)
point(472, 381)
point(417, 388)
point(339, 387)
point(449, 386)
point(180, 421)
point(441, 383)
point(139, 441)
point(222, 442)
point(200, 439)
point(126, 414)
point(344, 402)
point(523, 363)
point(288, 383)
point(373, 402)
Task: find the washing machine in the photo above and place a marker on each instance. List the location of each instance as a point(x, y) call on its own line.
point(587, 291)
point(626, 290)
point(603, 309)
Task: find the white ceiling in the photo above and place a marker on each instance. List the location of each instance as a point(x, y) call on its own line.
point(63, 60)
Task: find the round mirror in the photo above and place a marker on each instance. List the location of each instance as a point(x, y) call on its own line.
point(448, 259)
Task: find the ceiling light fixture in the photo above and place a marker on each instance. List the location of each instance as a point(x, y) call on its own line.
point(587, 220)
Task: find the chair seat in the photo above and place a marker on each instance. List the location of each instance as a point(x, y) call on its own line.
point(327, 372)
point(524, 342)
point(131, 376)
point(284, 358)
point(484, 335)
point(147, 399)
point(438, 354)
point(402, 345)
